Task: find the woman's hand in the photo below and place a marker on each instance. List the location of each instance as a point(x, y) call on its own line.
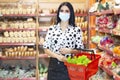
point(62, 58)
point(65, 50)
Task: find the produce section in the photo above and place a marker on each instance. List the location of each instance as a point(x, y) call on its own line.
point(107, 39)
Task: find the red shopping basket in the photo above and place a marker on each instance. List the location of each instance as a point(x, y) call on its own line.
point(80, 72)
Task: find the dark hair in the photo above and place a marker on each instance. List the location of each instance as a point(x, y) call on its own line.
point(72, 15)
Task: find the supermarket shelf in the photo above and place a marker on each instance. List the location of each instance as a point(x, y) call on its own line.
point(78, 14)
point(18, 15)
point(43, 55)
point(47, 15)
point(105, 49)
point(104, 30)
point(109, 72)
point(13, 29)
point(116, 56)
point(18, 79)
point(116, 11)
point(117, 33)
point(27, 29)
point(109, 31)
point(102, 12)
point(109, 52)
point(16, 44)
point(16, 58)
point(116, 77)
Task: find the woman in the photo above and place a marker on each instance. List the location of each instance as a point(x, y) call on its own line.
point(61, 41)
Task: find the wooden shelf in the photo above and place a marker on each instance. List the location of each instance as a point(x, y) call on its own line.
point(15, 29)
point(78, 14)
point(109, 52)
point(77, 1)
point(47, 15)
point(16, 58)
point(43, 55)
point(18, 15)
point(112, 11)
point(18, 79)
point(16, 44)
point(109, 31)
point(105, 49)
point(109, 72)
point(102, 12)
point(116, 11)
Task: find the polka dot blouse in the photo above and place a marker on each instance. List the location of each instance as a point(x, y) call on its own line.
point(56, 38)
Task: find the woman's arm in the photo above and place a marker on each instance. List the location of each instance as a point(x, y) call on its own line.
point(55, 55)
point(74, 51)
point(68, 50)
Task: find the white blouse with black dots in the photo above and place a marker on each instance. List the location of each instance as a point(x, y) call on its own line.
point(56, 38)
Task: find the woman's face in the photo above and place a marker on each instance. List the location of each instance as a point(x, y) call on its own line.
point(64, 13)
point(64, 9)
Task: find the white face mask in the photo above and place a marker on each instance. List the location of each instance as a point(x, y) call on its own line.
point(64, 16)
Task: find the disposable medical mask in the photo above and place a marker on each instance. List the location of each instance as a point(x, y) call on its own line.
point(64, 16)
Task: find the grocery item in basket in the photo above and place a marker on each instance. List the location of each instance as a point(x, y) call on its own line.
point(80, 60)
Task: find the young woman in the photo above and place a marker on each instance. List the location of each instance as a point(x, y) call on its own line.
point(61, 41)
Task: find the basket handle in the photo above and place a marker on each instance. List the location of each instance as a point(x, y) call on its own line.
point(92, 52)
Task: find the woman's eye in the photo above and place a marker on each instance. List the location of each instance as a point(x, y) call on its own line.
point(66, 11)
point(61, 10)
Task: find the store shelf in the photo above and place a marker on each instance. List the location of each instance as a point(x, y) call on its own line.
point(116, 77)
point(109, 52)
point(16, 58)
point(109, 72)
point(109, 31)
point(117, 33)
point(83, 29)
point(104, 30)
point(18, 79)
point(116, 11)
point(102, 12)
point(105, 49)
point(16, 44)
point(47, 15)
point(43, 55)
point(78, 14)
point(13, 29)
point(18, 15)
